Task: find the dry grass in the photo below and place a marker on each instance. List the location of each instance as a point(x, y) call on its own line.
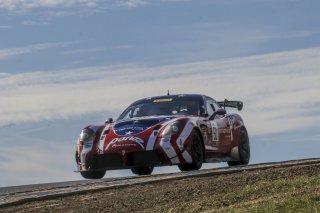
point(292, 189)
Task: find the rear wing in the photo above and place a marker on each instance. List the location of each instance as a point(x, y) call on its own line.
point(233, 104)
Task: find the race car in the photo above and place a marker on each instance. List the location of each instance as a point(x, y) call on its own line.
point(186, 130)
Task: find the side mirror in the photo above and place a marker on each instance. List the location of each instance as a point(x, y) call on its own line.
point(218, 112)
point(109, 120)
point(239, 105)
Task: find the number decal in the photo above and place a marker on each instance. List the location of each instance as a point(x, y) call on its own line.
point(231, 122)
point(215, 131)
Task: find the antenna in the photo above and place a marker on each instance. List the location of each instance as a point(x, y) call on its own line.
point(168, 93)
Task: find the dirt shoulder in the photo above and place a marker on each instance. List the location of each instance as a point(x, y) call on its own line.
point(272, 190)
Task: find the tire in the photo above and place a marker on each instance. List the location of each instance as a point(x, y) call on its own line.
point(196, 153)
point(142, 170)
point(244, 149)
point(93, 175)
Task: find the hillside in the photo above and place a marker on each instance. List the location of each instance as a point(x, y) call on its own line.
point(295, 189)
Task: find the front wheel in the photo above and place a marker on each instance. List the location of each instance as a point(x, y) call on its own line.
point(244, 150)
point(93, 175)
point(142, 170)
point(196, 153)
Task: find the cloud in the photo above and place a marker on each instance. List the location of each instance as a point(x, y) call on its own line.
point(284, 35)
point(32, 23)
point(279, 90)
point(175, 0)
point(21, 4)
point(280, 93)
point(32, 161)
point(10, 52)
point(5, 27)
point(81, 51)
point(3, 74)
point(42, 12)
point(131, 3)
point(30, 165)
point(124, 47)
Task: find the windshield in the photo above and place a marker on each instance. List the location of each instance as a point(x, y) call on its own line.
point(172, 107)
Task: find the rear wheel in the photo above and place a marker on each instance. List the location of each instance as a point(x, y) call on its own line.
point(142, 170)
point(93, 175)
point(196, 153)
point(244, 150)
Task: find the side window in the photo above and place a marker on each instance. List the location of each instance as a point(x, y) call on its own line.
point(136, 112)
point(216, 106)
point(210, 107)
point(127, 115)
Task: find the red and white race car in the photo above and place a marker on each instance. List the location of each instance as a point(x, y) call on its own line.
point(185, 130)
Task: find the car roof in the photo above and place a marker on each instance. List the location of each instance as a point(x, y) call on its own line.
point(191, 97)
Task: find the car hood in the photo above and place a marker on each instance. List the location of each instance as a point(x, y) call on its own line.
point(138, 124)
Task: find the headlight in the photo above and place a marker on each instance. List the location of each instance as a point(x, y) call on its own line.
point(87, 135)
point(171, 129)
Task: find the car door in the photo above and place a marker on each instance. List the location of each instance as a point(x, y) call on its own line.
point(219, 138)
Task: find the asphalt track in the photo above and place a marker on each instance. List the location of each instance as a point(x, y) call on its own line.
point(29, 193)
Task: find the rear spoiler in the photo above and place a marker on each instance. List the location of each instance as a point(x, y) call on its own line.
point(233, 104)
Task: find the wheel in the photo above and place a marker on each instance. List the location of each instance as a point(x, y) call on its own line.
point(196, 153)
point(93, 175)
point(142, 170)
point(244, 149)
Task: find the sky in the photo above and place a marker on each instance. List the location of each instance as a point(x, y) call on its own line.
point(68, 63)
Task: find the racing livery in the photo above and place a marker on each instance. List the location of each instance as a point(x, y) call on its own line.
point(185, 130)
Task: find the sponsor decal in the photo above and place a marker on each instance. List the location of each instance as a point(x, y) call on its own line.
point(166, 140)
point(231, 120)
point(225, 131)
point(123, 145)
point(134, 128)
point(131, 129)
point(136, 140)
point(129, 132)
point(162, 100)
point(87, 146)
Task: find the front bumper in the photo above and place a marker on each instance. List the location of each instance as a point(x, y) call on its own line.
point(110, 161)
